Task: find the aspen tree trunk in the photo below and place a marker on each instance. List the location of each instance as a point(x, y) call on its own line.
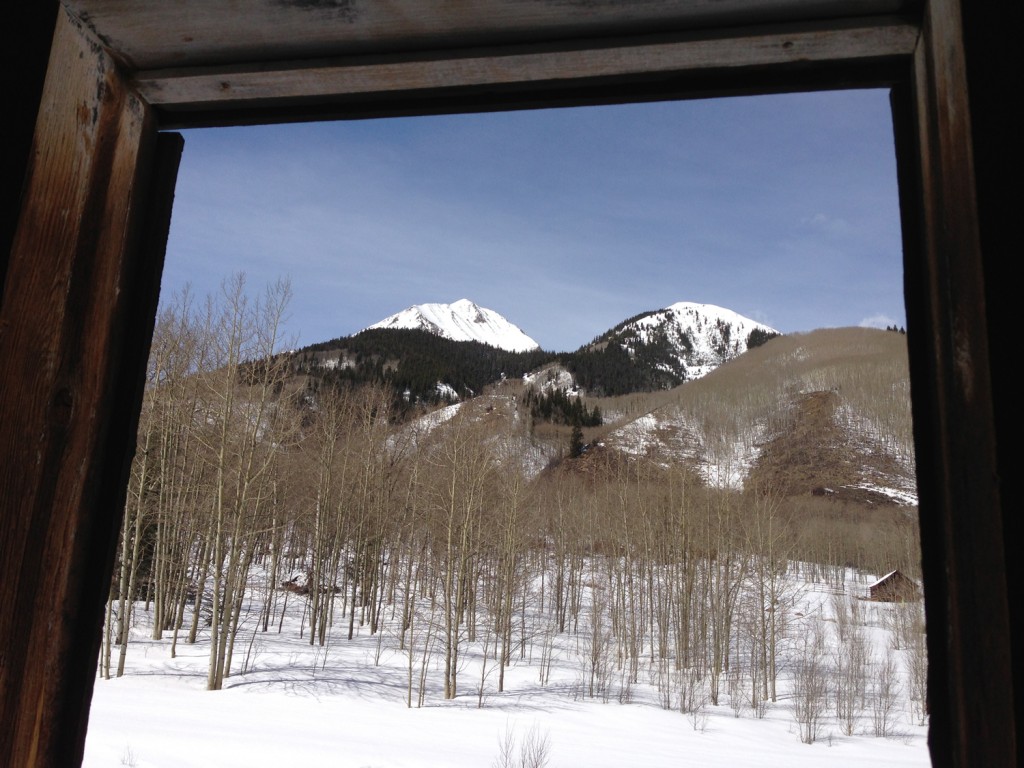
point(129, 590)
point(108, 630)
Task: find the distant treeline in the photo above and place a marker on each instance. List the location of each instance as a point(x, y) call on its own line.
point(414, 362)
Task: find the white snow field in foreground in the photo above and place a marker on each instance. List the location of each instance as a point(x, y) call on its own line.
point(345, 704)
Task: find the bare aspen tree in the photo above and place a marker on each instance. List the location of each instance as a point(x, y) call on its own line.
point(598, 645)
point(323, 457)
point(155, 481)
point(810, 684)
point(683, 565)
point(461, 469)
point(693, 694)
point(727, 570)
point(243, 446)
point(885, 691)
point(562, 507)
point(179, 347)
point(771, 591)
point(509, 511)
point(131, 546)
point(917, 669)
point(736, 692)
point(849, 687)
point(534, 750)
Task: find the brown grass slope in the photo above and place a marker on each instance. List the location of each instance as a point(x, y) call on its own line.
point(829, 409)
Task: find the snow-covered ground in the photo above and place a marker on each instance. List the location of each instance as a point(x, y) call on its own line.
point(345, 705)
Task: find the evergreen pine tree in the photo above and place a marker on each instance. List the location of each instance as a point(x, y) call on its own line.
point(576, 442)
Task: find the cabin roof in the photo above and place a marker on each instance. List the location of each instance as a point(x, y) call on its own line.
point(887, 576)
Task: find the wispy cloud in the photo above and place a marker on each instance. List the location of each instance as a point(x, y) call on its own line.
point(878, 321)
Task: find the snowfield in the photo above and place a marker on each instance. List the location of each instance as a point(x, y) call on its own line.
point(289, 703)
point(462, 321)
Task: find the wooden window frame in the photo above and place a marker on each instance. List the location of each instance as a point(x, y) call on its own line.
point(81, 283)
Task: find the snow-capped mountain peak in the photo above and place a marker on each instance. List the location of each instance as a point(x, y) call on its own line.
point(687, 340)
point(462, 320)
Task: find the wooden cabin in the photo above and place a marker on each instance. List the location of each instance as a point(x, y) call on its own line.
point(94, 88)
point(894, 587)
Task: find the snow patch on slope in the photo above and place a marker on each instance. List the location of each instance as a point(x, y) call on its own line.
point(412, 435)
point(669, 437)
point(869, 438)
point(900, 497)
point(551, 378)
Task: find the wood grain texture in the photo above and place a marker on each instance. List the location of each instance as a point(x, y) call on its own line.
point(326, 80)
point(62, 330)
point(197, 33)
point(966, 598)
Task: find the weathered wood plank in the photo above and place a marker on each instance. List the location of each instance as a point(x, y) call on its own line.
point(972, 720)
point(65, 340)
point(311, 81)
point(189, 33)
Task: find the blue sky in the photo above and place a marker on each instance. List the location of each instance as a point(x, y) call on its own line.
point(781, 208)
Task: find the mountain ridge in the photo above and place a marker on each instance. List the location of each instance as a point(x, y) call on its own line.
point(426, 355)
point(691, 339)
